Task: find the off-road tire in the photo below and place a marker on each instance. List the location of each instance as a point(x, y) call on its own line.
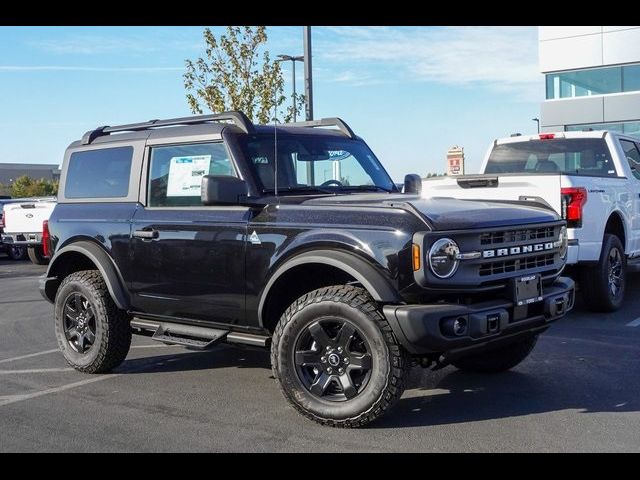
point(113, 329)
point(594, 280)
point(390, 362)
point(498, 360)
point(36, 255)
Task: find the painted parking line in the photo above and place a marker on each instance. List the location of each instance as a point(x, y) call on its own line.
point(37, 354)
point(9, 399)
point(634, 323)
point(47, 352)
point(36, 370)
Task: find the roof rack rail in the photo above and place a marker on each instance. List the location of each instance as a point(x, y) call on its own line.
point(238, 118)
point(325, 122)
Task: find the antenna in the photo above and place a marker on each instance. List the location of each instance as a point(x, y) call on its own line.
point(275, 147)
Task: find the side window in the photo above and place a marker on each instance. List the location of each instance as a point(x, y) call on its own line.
point(100, 173)
point(632, 154)
point(175, 172)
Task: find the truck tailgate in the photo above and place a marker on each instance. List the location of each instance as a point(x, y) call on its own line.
point(26, 217)
point(497, 187)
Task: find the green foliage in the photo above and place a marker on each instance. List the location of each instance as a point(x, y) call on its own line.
point(26, 186)
point(237, 73)
point(5, 190)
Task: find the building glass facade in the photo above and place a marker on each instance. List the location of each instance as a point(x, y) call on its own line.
point(627, 128)
point(593, 81)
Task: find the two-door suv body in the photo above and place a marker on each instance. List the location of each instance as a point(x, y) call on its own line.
point(211, 229)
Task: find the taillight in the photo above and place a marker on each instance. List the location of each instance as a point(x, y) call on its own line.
point(547, 136)
point(45, 238)
point(573, 199)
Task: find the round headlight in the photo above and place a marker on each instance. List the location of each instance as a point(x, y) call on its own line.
point(443, 258)
point(563, 239)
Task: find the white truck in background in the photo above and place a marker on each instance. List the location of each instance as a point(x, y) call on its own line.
point(591, 178)
point(23, 225)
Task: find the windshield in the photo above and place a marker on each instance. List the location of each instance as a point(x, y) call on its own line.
point(575, 156)
point(314, 163)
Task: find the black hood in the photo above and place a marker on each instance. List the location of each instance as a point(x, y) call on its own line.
point(449, 213)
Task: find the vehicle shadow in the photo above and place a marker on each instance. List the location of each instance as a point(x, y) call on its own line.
point(222, 356)
point(459, 397)
point(449, 396)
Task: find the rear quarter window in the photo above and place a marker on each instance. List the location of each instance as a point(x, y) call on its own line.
point(100, 173)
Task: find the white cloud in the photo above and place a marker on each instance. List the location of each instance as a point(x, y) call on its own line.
point(499, 58)
point(64, 68)
point(88, 44)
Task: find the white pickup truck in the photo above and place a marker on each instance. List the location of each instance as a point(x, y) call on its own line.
point(23, 226)
point(591, 178)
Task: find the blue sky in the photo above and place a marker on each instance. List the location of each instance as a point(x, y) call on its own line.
point(410, 92)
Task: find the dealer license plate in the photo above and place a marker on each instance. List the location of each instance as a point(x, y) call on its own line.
point(527, 290)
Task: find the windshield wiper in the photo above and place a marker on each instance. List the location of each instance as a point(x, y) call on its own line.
point(367, 188)
point(301, 189)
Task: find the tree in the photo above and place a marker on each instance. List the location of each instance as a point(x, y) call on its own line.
point(26, 186)
point(236, 73)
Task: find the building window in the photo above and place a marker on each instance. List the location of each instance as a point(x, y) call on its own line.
point(593, 81)
point(627, 128)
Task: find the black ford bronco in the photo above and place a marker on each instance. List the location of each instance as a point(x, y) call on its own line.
point(211, 229)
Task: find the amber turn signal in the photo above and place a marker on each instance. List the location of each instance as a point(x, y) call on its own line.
point(416, 257)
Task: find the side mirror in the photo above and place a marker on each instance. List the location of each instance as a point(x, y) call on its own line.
point(223, 190)
point(412, 184)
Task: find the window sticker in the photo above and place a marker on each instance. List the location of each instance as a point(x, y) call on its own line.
point(185, 175)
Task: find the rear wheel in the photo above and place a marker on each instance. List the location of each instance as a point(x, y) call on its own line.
point(36, 255)
point(17, 252)
point(603, 285)
point(336, 358)
point(498, 360)
point(93, 333)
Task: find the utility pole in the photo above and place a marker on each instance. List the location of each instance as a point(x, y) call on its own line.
point(308, 80)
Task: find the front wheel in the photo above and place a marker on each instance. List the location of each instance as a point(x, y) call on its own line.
point(498, 360)
point(36, 255)
point(336, 359)
point(603, 285)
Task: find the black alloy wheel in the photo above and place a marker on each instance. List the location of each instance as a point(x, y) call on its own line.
point(333, 359)
point(614, 269)
point(79, 322)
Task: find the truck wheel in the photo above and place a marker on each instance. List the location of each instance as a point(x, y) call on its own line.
point(336, 359)
point(17, 252)
point(36, 255)
point(498, 360)
point(603, 285)
point(93, 333)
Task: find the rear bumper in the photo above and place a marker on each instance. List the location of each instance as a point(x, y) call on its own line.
point(23, 238)
point(424, 329)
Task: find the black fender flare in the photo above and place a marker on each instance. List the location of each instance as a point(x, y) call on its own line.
point(105, 264)
point(364, 272)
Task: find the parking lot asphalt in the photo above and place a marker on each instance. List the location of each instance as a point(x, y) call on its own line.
point(578, 391)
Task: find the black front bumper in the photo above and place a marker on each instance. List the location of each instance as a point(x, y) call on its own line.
point(425, 329)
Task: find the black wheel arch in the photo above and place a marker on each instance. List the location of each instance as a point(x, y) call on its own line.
point(351, 265)
point(615, 226)
point(86, 255)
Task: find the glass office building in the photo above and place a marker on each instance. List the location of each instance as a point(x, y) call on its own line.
point(592, 77)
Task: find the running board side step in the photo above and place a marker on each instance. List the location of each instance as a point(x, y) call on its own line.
point(198, 338)
point(191, 336)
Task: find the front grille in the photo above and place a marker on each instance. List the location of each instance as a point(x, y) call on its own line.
point(506, 266)
point(509, 236)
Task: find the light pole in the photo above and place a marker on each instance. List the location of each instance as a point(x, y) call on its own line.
point(308, 73)
point(293, 60)
point(537, 120)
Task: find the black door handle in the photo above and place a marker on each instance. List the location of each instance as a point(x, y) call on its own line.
point(146, 234)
